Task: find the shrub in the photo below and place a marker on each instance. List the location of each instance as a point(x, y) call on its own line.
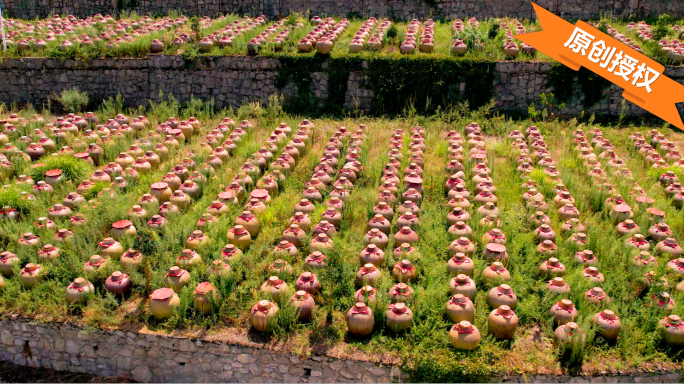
point(73, 169)
point(73, 100)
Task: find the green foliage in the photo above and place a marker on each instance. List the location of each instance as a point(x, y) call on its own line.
point(392, 32)
point(493, 31)
point(563, 80)
point(73, 169)
point(10, 196)
point(73, 100)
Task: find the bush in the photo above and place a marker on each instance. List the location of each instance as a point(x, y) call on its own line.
point(73, 100)
point(73, 169)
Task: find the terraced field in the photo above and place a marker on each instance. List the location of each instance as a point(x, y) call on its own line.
point(396, 240)
point(138, 36)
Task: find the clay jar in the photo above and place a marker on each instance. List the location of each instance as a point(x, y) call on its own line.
point(262, 313)
point(673, 330)
point(177, 278)
point(109, 247)
point(360, 320)
point(496, 272)
point(502, 295)
point(593, 275)
point(569, 333)
point(79, 290)
point(377, 237)
point(196, 240)
point(28, 239)
point(503, 322)
point(373, 255)
point(400, 293)
point(496, 252)
point(31, 275)
point(464, 285)
point(404, 271)
point(188, 259)
point(399, 317)
point(461, 229)
point(7, 262)
point(461, 264)
point(564, 312)
point(608, 324)
point(294, 234)
point(274, 288)
point(308, 282)
point(544, 232)
point(239, 237)
point(367, 275)
point(596, 295)
point(122, 228)
point(380, 222)
point(205, 296)
point(365, 295)
point(304, 303)
point(316, 260)
point(462, 245)
point(406, 235)
point(552, 268)
point(163, 302)
point(161, 191)
point(249, 221)
point(460, 308)
point(669, 248)
point(118, 283)
point(465, 336)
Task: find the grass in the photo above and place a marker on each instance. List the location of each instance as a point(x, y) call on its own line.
point(424, 350)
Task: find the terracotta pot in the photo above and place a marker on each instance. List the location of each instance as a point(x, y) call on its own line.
point(31, 275)
point(274, 288)
point(496, 272)
point(131, 259)
point(608, 324)
point(464, 285)
point(163, 302)
point(503, 322)
point(365, 295)
point(122, 228)
point(308, 282)
point(564, 312)
point(569, 333)
point(205, 297)
point(360, 320)
point(669, 248)
point(404, 271)
point(108, 247)
point(502, 295)
point(460, 308)
point(188, 259)
point(79, 290)
point(462, 245)
point(304, 303)
point(7, 262)
point(118, 283)
point(596, 295)
point(496, 252)
point(177, 278)
point(372, 254)
point(399, 317)
point(161, 191)
point(406, 235)
point(464, 336)
point(461, 264)
point(552, 268)
point(368, 275)
point(239, 237)
point(672, 330)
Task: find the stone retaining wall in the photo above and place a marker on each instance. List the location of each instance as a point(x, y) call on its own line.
point(233, 80)
point(146, 357)
point(396, 9)
point(153, 358)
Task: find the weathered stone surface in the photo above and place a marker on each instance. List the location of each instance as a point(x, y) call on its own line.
point(232, 81)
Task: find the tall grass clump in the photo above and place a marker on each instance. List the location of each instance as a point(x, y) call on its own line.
point(73, 100)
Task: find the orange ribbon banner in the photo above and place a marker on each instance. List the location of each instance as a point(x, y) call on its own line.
point(582, 45)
